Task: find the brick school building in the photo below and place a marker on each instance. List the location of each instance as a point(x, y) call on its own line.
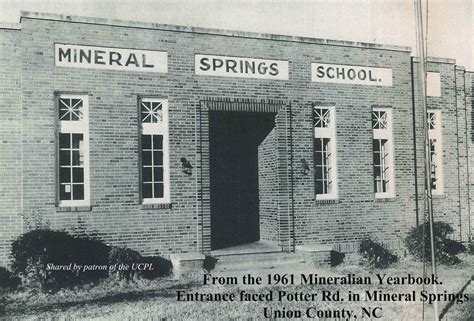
point(171, 139)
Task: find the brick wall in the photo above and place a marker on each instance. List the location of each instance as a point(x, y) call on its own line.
point(10, 141)
point(113, 136)
point(452, 206)
point(268, 187)
point(357, 213)
point(116, 213)
point(469, 79)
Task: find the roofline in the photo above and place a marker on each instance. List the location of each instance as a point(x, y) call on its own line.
point(11, 26)
point(209, 31)
point(437, 60)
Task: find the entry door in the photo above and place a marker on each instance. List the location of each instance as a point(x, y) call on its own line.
point(233, 140)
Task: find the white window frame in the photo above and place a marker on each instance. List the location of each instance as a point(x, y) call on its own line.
point(330, 133)
point(387, 134)
point(74, 127)
point(437, 134)
point(160, 128)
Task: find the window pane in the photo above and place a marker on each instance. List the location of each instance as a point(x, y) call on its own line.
point(77, 103)
point(322, 117)
point(158, 190)
point(157, 109)
point(158, 174)
point(146, 141)
point(65, 175)
point(147, 190)
point(377, 172)
point(379, 119)
point(64, 157)
point(65, 192)
point(376, 145)
point(381, 169)
point(64, 109)
point(326, 145)
point(146, 174)
point(318, 173)
point(433, 177)
point(146, 158)
point(157, 158)
point(431, 120)
point(319, 187)
point(77, 140)
point(64, 141)
point(157, 142)
point(322, 161)
point(78, 175)
point(151, 112)
point(317, 144)
point(74, 116)
point(63, 114)
point(70, 109)
point(78, 192)
point(77, 158)
point(433, 163)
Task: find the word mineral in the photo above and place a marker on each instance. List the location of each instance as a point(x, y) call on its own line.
point(110, 58)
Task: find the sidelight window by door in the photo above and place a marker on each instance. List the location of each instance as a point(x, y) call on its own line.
point(73, 150)
point(324, 141)
point(382, 143)
point(154, 151)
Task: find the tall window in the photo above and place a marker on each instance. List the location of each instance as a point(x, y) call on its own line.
point(73, 150)
point(384, 186)
point(435, 137)
point(154, 151)
point(325, 170)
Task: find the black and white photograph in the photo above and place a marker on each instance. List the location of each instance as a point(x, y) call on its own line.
point(237, 160)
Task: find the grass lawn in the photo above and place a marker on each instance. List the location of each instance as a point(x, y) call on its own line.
point(462, 311)
point(154, 300)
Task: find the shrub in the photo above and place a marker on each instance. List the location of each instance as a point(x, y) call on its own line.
point(161, 267)
point(446, 249)
point(470, 247)
point(121, 256)
point(376, 254)
point(124, 256)
point(8, 281)
point(34, 250)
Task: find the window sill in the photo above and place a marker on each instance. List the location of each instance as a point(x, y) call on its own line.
point(438, 195)
point(155, 206)
point(328, 201)
point(385, 199)
point(73, 208)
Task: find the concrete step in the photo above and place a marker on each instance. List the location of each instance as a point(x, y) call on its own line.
point(247, 261)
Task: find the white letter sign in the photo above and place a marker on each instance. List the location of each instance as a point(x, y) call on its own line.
point(224, 66)
point(110, 58)
point(433, 84)
point(345, 74)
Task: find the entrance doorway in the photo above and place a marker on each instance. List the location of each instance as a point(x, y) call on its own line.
point(234, 141)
